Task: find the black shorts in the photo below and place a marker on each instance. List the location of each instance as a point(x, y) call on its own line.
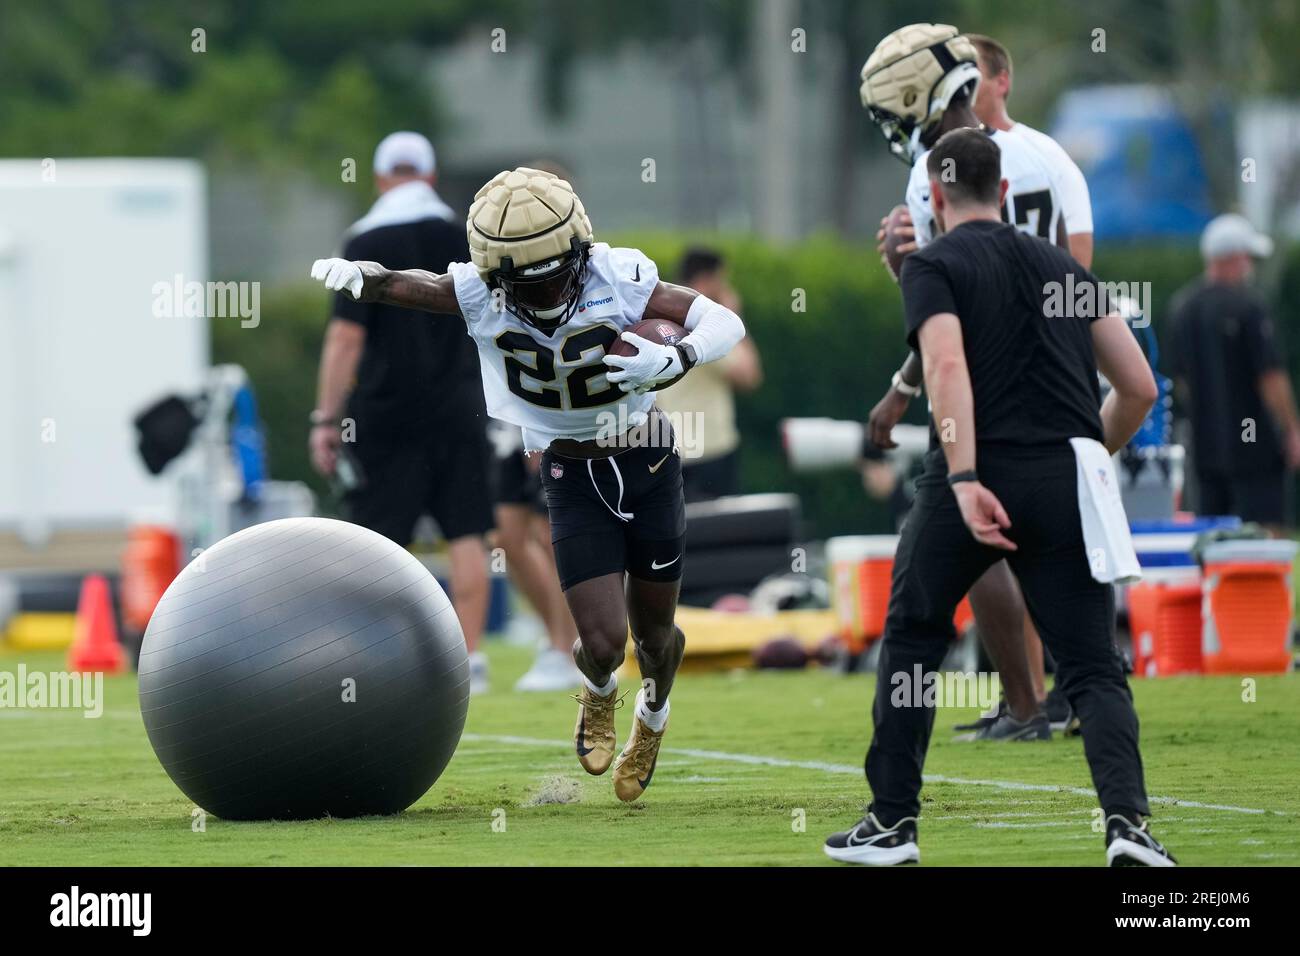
point(1258, 497)
point(516, 485)
point(615, 515)
point(446, 477)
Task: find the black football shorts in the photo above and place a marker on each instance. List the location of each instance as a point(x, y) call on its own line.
point(614, 515)
point(446, 475)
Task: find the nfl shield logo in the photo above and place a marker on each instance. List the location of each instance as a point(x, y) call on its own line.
point(557, 470)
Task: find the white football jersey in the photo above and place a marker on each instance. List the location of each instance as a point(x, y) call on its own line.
point(1076, 204)
point(1033, 203)
point(554, 386)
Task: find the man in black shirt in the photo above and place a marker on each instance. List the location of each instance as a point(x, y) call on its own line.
point(1233, 382)
point(1010, 385)
point(400, 399)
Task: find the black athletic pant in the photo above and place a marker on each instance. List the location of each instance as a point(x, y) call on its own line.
point(937, 562)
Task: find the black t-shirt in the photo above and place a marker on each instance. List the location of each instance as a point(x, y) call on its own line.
point(419, 372)
point(1034, 377)
point(1221, 341)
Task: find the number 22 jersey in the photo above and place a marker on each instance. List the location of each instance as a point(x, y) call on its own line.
point(553, 386)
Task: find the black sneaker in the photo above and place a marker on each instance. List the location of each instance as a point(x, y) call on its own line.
point(1131, 844)
point(1007, 727)
point(1060, 714)
point(870, 843)
point(983, 722)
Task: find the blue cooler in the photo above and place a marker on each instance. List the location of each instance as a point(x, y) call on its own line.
point(1164, 548)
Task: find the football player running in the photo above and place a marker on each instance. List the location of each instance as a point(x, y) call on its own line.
point(544, 302)
point(920, 82)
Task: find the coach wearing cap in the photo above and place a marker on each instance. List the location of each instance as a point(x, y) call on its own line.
point(399, 418)
point(1232, 381)
point(1015, 404)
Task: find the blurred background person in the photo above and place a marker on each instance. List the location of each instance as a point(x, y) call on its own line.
point(889, 480)
point(400, 422)
point(1232, 381)
point(703, 405)
point(524, 534)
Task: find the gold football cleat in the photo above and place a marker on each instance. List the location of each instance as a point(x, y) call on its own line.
point(593, 736)
point(636, 764)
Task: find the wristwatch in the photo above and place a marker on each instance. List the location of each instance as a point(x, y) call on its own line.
point(690, 358)
point(911, 391)
point(957, 477)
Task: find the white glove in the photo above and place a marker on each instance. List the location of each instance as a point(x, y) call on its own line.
point(339, 274)
point(652, 365)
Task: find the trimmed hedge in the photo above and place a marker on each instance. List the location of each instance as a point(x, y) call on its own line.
point(834, 358)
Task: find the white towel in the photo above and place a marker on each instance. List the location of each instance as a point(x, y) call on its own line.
point(409, 202)
point(1101, 512)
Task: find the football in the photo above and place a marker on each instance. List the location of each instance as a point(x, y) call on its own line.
point(780, 653)
point(898, 218)
point(662, 331)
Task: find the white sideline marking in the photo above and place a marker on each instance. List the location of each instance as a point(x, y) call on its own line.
point(844, 768)
point(1001, 825)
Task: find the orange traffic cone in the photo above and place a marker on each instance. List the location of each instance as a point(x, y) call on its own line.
point(95, 646)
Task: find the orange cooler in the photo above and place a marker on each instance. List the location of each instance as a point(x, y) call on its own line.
point(1246, 607)
point(861, 572)
point(1165, 621)
point(861, 567)
point(150, 563)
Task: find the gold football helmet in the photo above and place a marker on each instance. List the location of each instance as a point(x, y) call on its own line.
point(529, 236)
point(911, 77)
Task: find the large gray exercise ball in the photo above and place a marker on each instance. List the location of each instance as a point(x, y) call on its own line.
point(303, 668)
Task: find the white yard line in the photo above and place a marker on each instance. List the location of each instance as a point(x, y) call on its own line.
point(844, 768)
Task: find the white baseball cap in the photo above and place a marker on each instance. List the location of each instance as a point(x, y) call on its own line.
point(1230, 234)
point(404, 149)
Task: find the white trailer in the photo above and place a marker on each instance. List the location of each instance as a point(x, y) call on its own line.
point(84, 246)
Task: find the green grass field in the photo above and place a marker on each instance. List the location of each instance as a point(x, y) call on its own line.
point(748, 756)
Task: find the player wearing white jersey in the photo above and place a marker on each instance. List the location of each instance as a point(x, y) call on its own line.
point(544, 303)
point(918, 84)
point(1033, 204)
point(1048, 197)
point(1076, 213)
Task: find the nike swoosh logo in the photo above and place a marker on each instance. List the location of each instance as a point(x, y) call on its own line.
point(667, 362)
point(656, 566)
point(637, 277)
point(582, 732)
point(655, 466)
point(855, 840)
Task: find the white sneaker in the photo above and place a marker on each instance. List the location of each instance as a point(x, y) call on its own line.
point(478, 673)
point(553, 670)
